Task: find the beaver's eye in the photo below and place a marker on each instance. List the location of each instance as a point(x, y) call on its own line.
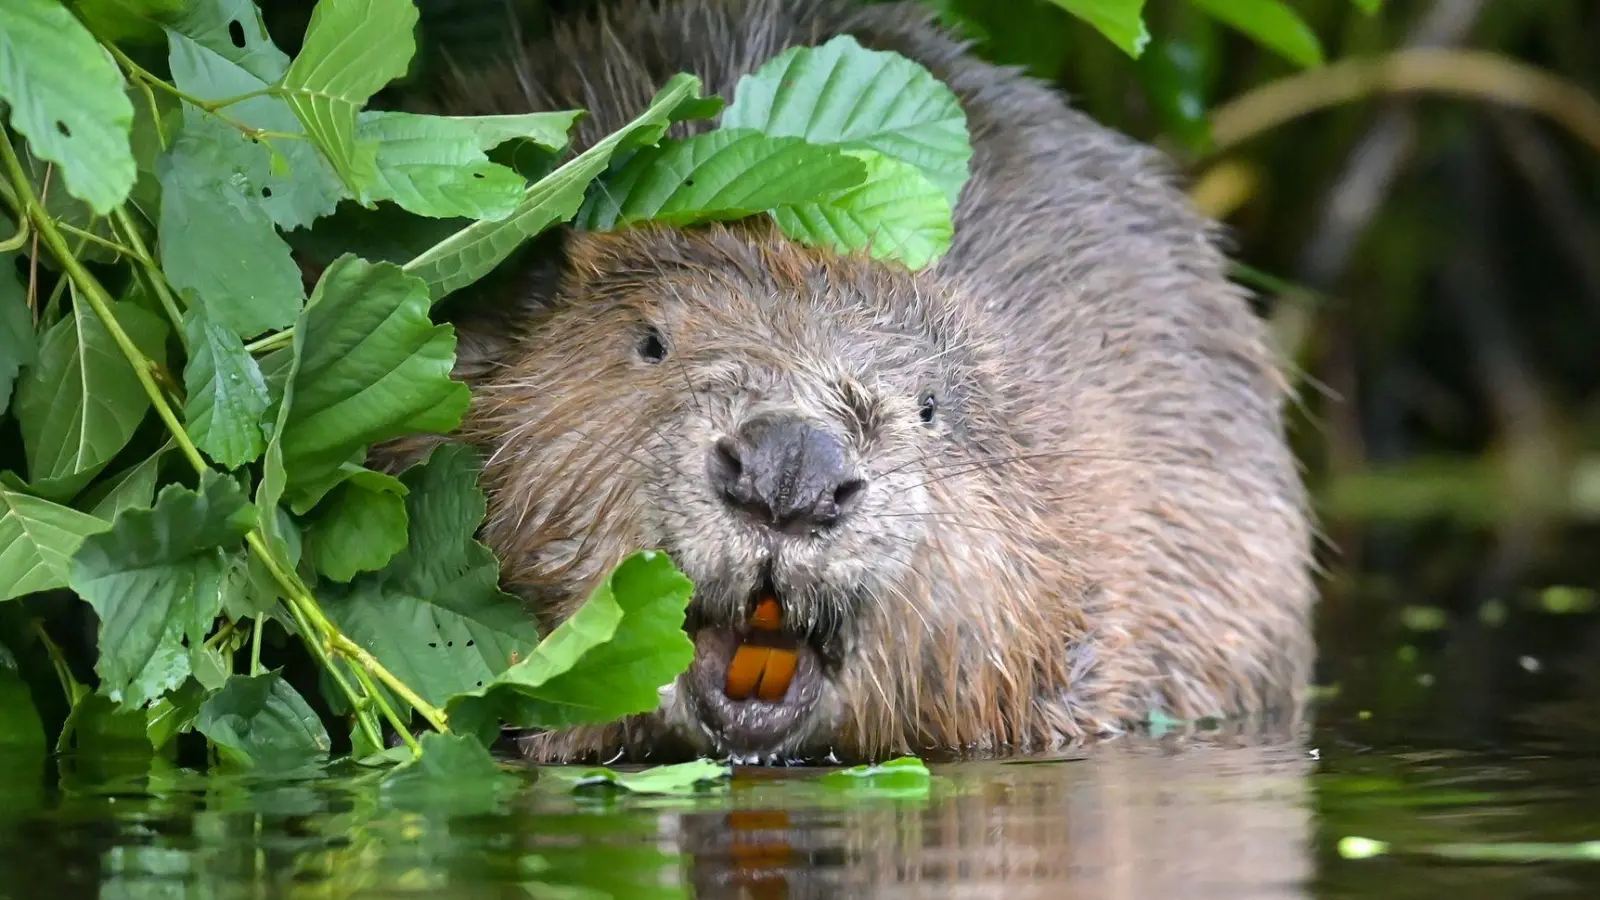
point(651, 347)
point(930, 405)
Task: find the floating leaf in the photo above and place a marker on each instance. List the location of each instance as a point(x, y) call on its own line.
point(37, 541)
point(434, 166)
point(475, 250)
point(681, 779)
point(606, 661)
point(18, 346)
point(1272, 23)
point(896, 213)
point(841, 93)
point(155, 578)
point(226, 394)
point(435, 616)
point(1121, 21)
point(81, 401)
point(905, 775)
point(454, 773)
point(371, 367)
point(67, 100)
point(724, 174)
point(352, 48)
point(262, 722)
point(358, 530)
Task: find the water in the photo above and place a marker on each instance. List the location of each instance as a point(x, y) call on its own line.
point(1220, 815)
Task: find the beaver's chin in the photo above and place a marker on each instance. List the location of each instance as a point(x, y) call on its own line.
point(752, 729)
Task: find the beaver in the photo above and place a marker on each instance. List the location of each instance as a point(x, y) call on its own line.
point(1022, 498)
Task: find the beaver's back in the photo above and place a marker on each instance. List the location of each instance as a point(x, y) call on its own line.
point(1152, 404)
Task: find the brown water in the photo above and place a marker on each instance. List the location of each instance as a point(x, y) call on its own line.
point(1203, 816)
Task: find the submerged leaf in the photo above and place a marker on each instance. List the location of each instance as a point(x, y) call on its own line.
point(37, 541)
point(262, 722)
point(352, 48)
point(155, 579)
point(608, 660)
point(226, 393)
point(896, 213)
point(475, 250)
point(66, 98)
point(841, 93)
point(81, 401)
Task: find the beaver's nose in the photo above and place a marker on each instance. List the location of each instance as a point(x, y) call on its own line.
point(785, 472)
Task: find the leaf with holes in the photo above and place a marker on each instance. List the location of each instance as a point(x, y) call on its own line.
point(262, 723)
point(218, 241)
point(1272, 24)
point(226, 393)
point(844, 94)
point(231, 29)
point(18, 344)
point(156, 579)
point(724, 174)
point(1120, 21)
point(352, 49)
point(897, 213)
point(608, 660)
point(37, 541)
point(475, 250)
point(371, 367)
point(286, 176)
point(434, 166)
point(66, 98)
point(435, 616)
point(80, 403)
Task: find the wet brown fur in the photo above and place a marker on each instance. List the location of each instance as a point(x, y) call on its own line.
point(1107, 520)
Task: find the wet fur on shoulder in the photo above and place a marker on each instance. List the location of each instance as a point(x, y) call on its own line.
point(1106, 518)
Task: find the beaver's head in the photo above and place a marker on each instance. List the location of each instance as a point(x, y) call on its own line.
point(781, 422)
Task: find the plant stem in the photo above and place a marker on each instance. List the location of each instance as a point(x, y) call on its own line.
point(212, 107)
point(363, 715)
point(93, 238)
point(158, 281)
point(255, 648)
point(271, 341)
point(298, 596)
point(401, 727)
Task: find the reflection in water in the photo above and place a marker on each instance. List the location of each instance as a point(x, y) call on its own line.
point(1130, 820)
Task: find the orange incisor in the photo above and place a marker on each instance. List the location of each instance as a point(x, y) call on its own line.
point(763, 670)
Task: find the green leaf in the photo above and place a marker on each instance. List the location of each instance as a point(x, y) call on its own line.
point(18, 346)
point(435, 616)
point(475, 250)
point(358, 530)
point(21, 731)
point(133, 488)
point(1121, 21)
point(549, 130)
point(1174, 74)
point(287, 177)
point(843, 94)
point(218, 241)
point(68, 210)
point(371, 367)
point(81, 401)
point(262, 723)
point(1370, 7)
point(37, 541)
point(175, 713)
point(213, 24)
point(226, 394)
point(352, 49)
point(1272, 23)
point(724, 174)
point(681, 779)
point(903, 775)
point(156, 578)
point(66, 97)
point(433, 166)
point(97, 726)
point(454, 772)
point(606, 661)
point(895, 214)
